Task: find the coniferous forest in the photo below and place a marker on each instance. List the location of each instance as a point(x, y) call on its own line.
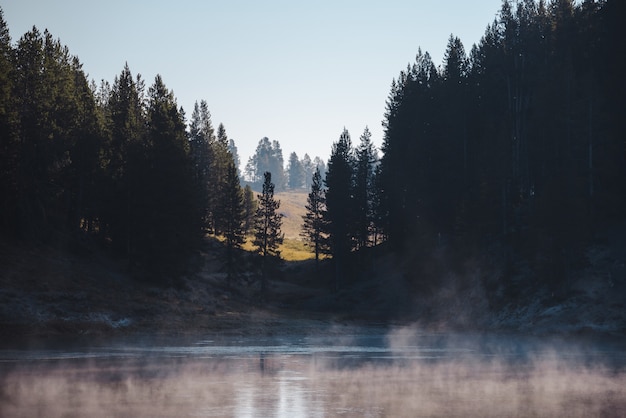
point(514, 148)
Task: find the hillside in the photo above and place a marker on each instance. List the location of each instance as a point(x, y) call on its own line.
point(292, 207)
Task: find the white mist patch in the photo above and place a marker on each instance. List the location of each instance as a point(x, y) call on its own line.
point(404, 373)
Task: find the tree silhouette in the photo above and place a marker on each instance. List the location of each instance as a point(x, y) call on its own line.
point(267, 223)
point(314, 226)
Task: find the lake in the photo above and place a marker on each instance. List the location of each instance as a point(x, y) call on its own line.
point(341, 372)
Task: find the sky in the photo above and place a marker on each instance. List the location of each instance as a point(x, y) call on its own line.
point(293, 71)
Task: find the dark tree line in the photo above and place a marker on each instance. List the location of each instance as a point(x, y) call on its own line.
point(520, 142)
point(340, 210)
point(518, 145)
point(114, 162)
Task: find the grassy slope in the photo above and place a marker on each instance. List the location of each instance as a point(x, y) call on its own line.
point(292, 207)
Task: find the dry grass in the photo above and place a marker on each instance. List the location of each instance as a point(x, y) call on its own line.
point(290, 250)
point(292, 207)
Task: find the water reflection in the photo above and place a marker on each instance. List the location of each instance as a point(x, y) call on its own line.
point(375, 375)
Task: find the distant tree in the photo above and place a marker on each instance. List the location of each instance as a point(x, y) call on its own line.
point(340, 202)
point(309, 170)
point(319, 164)
point(250, 205)
point(268, 157)
point(314, 226)
point(233, 216)
point(295, 172)
point(267, 224)
point(232, 148)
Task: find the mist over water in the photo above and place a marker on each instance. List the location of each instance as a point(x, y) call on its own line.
point(363, 373)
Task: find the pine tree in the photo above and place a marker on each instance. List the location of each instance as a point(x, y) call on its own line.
point(267, 223)
point(366, 159)
point(314, 226)
point(222, 158)
point(340, 202)
point(250, 205)
point(201, 141)
point(232, 212)
point(123, 155)
point(9, 145)
point(295, 172)
point(167, 222)
point(232, 148)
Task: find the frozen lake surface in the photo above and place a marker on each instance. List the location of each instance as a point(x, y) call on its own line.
point(356, 372)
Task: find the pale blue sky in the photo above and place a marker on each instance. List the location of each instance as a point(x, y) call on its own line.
point(296, 72)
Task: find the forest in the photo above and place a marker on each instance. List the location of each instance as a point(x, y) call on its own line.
point(515, 149)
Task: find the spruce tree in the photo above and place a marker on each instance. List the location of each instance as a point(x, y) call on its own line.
point(222, 158)
point(363, 189)
point(314, 226)
point(267, 224)
point(201, 141)
point(250, 205)
point(340, 202)
point(167, 221)
point(232, 213)
point(123, 153)
point(232, 148)
point(9, 144)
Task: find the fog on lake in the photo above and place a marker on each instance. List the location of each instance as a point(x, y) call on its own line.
point(356, 373)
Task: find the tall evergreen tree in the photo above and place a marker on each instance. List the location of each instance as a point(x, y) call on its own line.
point(202, 144)
point(232, 148)
point(340, 201)
point(250, 205)
point(222, 158)
point(167, 222)
point(9, 145)
point(314, 226)
point(123, 151)
point(233, 215)
point(366, 160)
point(50, 97)
point(267, 224)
